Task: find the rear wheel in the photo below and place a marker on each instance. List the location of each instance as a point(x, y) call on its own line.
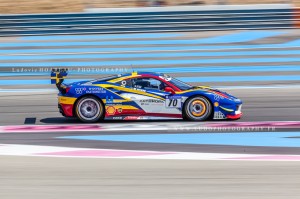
point(89, 109)
point(197, 108)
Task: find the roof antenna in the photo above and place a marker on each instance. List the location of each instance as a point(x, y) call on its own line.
point(132, 68)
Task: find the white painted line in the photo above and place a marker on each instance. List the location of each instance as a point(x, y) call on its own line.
point(158, 126)
point(51, 151)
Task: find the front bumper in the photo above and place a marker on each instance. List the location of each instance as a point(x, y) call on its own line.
point(233, 112)
point(235, 117)
point(237, 114)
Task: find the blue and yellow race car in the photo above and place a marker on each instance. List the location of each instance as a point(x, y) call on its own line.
point(142, 96)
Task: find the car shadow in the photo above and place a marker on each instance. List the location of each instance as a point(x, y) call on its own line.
point(59, 120)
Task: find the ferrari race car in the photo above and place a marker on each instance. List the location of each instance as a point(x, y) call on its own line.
point(142, 96)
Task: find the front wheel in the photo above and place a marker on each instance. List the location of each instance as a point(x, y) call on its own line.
point(89, 109)
point(197, 108)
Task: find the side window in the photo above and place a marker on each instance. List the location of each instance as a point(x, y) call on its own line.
point(148, 83)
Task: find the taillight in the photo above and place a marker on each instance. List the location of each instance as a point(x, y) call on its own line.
point(67, 89)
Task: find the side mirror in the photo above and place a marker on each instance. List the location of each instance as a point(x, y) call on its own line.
point(170, 90)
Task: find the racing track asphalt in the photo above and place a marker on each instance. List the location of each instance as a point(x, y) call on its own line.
point(263, 104)
point(55, 178)
point(260, 104)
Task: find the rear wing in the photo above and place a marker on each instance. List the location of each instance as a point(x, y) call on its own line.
point(57, 77)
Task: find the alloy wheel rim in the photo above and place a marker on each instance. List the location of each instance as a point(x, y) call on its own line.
point(89, 109)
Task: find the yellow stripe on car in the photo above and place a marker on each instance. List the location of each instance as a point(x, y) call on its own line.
point(195, 89)
point(106, 86)
point(122, 78)
point(66, 100)
point(117, 100)
point(129, 107)
point(226, 109)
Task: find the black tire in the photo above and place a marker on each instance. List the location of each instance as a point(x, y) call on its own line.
point(197, 108)
point(89, 109)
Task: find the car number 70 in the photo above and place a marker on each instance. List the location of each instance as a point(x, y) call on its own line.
point(173, 103)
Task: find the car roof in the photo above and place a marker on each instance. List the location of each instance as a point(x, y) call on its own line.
point(141, 73)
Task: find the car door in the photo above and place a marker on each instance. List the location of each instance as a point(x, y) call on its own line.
point(146, 94)
point(155, 99)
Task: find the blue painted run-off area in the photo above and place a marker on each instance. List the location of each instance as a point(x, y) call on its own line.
point(147, 55)
point(152, 62)
point(100, 37)
point(141, 48)
point(244, 36)
point(230, 38)
point(262, 139)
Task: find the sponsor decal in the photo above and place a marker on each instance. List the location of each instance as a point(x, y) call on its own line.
point(144, 118)
point(173, 97)
point(109, 100)
point(120, 110)
point(95, 90)
point(66, 100)
point(80, 90)
point(152, 101)
point(131, 118)
point(139, 89)
point(117, 118)
point(218, 97)
point(91, 90)
point(110, 110)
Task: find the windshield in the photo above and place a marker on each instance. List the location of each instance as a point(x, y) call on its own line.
point(176, 82)
point(179, 84)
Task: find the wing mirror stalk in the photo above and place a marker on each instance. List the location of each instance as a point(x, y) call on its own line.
point(170, 90)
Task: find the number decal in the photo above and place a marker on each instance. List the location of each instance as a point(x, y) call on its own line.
point(170, 103)
point(173, 103)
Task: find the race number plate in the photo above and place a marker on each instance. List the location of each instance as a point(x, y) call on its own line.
point(173, 102)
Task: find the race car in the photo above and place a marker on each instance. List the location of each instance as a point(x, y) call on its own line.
point(142, 96)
